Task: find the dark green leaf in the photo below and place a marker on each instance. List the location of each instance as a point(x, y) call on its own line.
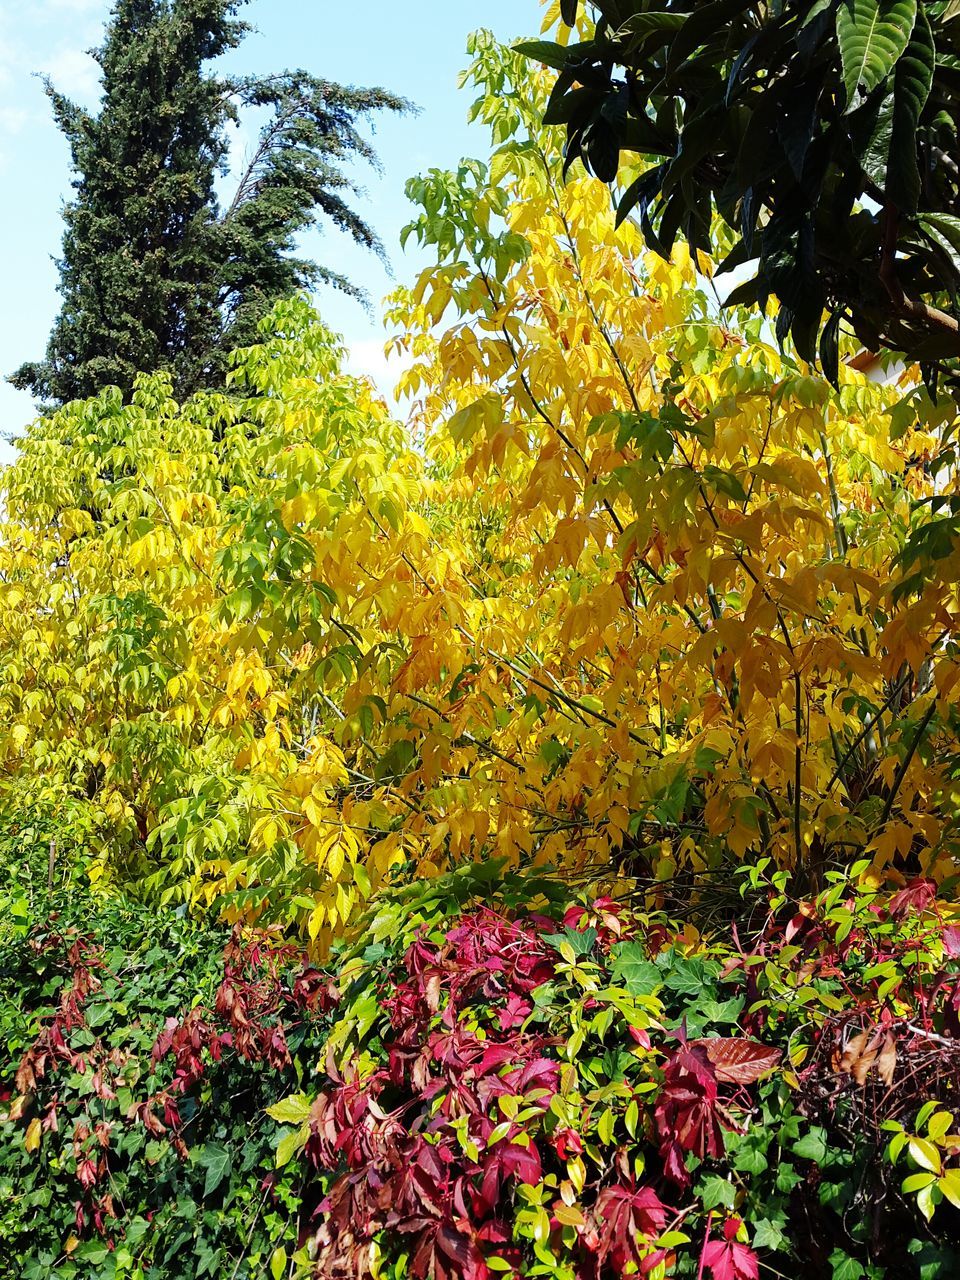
point(217, 1161)
point(545, 51)
point(912, 84)
point(872, 35)
point(830, 349)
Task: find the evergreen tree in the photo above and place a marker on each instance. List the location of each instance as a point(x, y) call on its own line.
point(154, 273)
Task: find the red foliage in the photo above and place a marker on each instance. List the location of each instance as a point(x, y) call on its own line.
point(631, 1220)
point(727, 1259)
point(255, 1009)
point(404, 1169)
point(688, 1112)
point(421, 1148)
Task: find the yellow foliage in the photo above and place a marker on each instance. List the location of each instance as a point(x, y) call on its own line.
point(619, 593)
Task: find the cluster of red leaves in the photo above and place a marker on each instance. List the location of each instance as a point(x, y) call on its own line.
point(403, 1168)
point(51, 1055)
point(254, 1011)
point(265, 993)
point(419, 1149)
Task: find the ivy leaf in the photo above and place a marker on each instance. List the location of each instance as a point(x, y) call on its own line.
point(812, 1146)
point(715, 1191)
point(580, 941)
point(768, 1235)
point(872, 35)
point(633, 970)
point(845, 1267)
point(217, 1161)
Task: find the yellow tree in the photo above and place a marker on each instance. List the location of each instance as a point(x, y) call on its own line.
point(620, 597)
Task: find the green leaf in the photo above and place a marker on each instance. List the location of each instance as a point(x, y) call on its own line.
point(872, 35)
point(716, 1191)
point(633, 970)
point(706, 22)
point(944, 230)
point(580, 941)
point(812, 1146)
point(949, 1184)
point(768, 1235)
point(217, 1162)
point(545, 51)
point(845, 1267)
point(911, 89)
point(830, 349)
point(290, 1144)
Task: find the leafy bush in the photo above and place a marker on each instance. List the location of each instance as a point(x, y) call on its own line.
point(628, 600)
point(493, 1081)
point(609, 1095)
point(139, 1055)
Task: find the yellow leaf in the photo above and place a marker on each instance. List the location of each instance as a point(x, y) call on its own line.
point(32, 1138)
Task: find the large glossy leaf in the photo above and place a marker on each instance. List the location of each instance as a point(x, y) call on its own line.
point(872, 35)
point(871, 129)
point(703, 25)
point(912, 83)
point(795, 126)
point(545, 51)
point(943, 229)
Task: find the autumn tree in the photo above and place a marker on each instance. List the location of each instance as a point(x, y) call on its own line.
point(642, 600)
point(155, 273)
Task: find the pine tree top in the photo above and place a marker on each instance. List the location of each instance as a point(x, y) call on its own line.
point(154, 272)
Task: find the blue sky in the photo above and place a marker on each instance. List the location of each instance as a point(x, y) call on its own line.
point(416, 49)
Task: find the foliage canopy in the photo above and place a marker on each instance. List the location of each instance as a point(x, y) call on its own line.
point(623, 601)
point(824, 132)
point(635, 599)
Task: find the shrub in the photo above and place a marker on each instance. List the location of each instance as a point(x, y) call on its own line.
point(139, 1056)
point(611, 1095)
point(492, 1081)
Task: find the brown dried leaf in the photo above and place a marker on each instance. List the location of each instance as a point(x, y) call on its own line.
point(860, 1056)
point(738, 1061)
point(887, 1062)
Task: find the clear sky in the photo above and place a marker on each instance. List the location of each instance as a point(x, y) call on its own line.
point(415, 48)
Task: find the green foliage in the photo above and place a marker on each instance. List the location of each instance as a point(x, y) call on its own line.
point(824, 132)
point(155, 275)
point(108, 1168)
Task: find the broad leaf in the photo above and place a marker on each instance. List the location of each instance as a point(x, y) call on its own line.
point(872, 35)
point(292, 1110)
point(912, 83)
point(217, 1162)
point(545, 51)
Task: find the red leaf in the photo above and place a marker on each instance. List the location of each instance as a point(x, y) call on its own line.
point(631, 1218)
point(951, 941)
point(729, 1260)
point(916, 896)
point(567, 1144)
point(738, 1061)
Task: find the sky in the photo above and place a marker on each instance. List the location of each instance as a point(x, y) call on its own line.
point(415, 49)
